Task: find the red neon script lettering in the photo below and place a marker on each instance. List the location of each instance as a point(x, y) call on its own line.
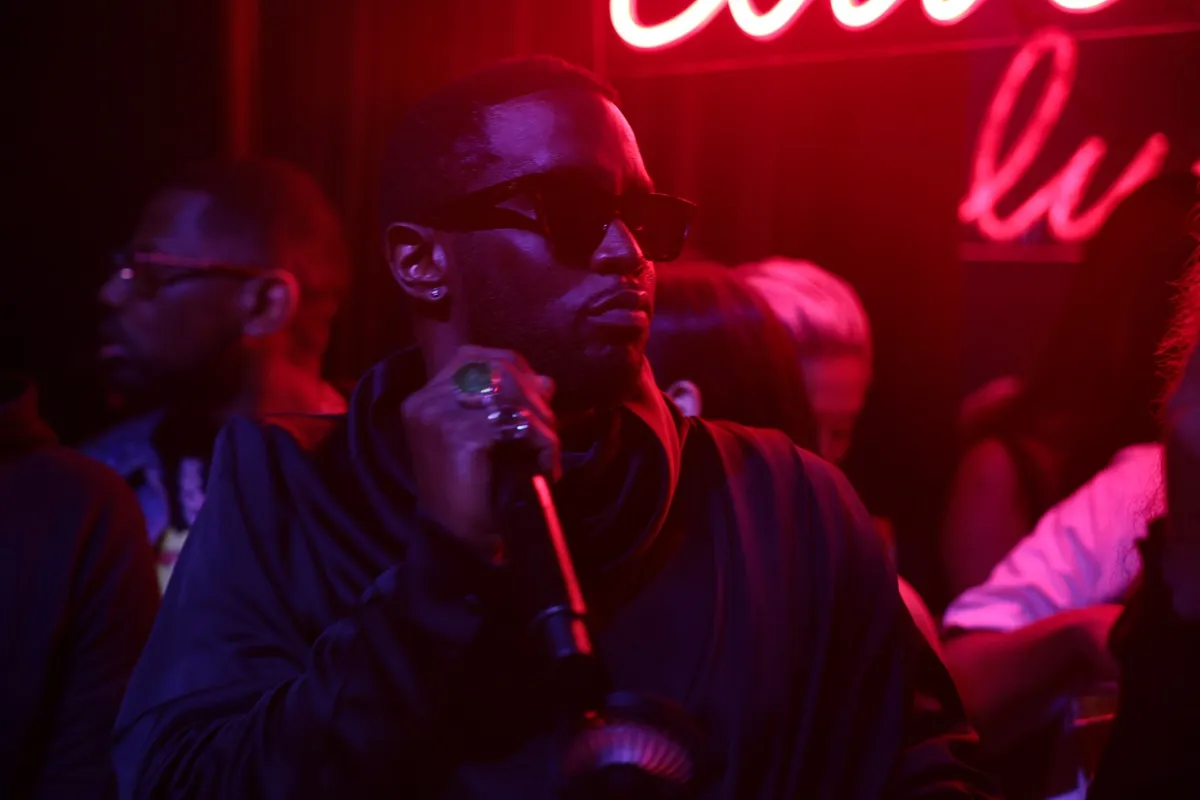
point(861, 13)
point(948, 12)
point(993, 176)
point(768, 25)
point(851, 14)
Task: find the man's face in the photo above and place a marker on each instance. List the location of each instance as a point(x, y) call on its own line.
point(521, 294)
point(173, 329)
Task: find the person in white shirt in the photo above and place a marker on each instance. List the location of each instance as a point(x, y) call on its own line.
point(1082, 552)
point(1033, 637)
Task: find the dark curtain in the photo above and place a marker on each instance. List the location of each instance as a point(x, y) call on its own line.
point(104, 100)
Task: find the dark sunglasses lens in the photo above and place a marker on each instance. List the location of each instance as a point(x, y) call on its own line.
point(659, 223)
point(576, 221)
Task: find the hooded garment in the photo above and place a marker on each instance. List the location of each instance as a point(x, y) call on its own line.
point(321, 638)
point(79, 597)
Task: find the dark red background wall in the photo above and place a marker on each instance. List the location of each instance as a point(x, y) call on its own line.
point(849, 148)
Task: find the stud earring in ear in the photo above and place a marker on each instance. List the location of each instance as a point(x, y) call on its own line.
point(435, 293)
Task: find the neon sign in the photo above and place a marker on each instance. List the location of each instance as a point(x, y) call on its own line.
point(765, 25)
point(993, 175)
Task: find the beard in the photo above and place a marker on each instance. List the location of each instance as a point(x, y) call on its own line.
point(207, 382)
point(589, 372)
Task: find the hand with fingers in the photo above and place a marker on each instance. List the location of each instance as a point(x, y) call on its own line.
point(479, 400)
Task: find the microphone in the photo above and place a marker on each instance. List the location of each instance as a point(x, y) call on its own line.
point(547, 586)
point(625, 745)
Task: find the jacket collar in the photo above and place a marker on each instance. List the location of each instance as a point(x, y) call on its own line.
point(650, 430)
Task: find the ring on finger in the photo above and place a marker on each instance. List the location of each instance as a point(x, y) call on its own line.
point(511, 423)
point(476, 383)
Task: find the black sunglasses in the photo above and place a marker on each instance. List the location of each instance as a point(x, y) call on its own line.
point(574, 215)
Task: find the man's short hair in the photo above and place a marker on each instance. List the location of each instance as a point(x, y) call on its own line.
point(437, 146)
point(822, 311)
point(280, 212)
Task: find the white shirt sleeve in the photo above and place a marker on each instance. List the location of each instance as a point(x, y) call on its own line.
point(1082, 552)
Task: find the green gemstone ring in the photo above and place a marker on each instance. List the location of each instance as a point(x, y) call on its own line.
point(475, 383)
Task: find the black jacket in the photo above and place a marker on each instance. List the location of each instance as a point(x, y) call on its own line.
point(319, 639)
point(78, 599)
point(1155, 740)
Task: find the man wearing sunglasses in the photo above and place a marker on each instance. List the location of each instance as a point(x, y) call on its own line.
point(346, 622)
point(220, 305)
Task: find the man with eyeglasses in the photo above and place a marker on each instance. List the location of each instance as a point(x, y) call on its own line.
point(221, 305)
point(348, 622)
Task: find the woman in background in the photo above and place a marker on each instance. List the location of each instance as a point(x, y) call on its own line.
point(831, 337)
point(1091, 394)
point(719, 352)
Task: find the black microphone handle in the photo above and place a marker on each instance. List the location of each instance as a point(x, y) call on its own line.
point(544, 576)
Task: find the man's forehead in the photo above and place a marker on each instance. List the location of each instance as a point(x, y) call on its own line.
point(174, 223)
point(561, 129)
point(174, 213)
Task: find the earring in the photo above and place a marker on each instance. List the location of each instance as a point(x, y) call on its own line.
point(435, 293)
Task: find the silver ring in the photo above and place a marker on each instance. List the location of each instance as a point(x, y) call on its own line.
point(511, 423)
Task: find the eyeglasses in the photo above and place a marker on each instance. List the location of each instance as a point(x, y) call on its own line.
point(574, 215)
point(145, 274)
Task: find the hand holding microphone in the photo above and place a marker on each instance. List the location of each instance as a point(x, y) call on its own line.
point(485, 447)
point(481, 399)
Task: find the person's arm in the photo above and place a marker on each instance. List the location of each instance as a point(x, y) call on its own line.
point(985, 518)
point(1036, 628)
point(942, 755)
point(236, 696)
point(114, 599)
point(1010, 680)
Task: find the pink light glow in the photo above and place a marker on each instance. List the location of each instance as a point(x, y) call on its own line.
point(1082, 6)
point(948, 12)
point(855, 14)
point(682, 26)
point(768, 25)
point(993, 176)
point(850, 14)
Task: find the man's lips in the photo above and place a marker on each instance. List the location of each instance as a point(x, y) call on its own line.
point(624, 308)
point(633, 300)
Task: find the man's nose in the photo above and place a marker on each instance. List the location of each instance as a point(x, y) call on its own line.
point(618, 253)
point(114, 292)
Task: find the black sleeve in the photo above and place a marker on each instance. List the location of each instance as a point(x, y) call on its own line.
point(1155, 743)
point(903, 682)
point(941, 754)
point(114, 597)
point(232, 698)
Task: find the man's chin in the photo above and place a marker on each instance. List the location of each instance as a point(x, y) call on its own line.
point(130, 387)
point(602, 378)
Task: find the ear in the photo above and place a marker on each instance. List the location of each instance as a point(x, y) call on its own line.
point(418, 262)
point(270, 303)
point(686, 395)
